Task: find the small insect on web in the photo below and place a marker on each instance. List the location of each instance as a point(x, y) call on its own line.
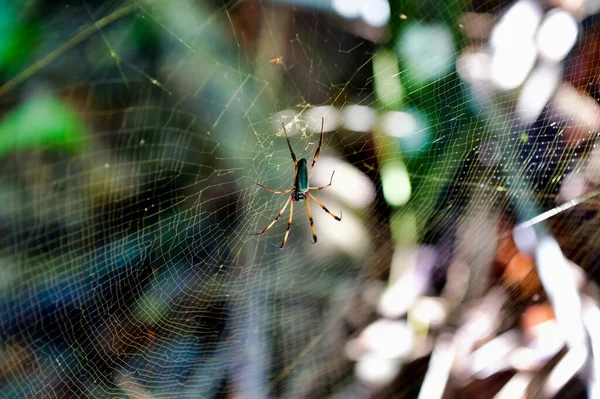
point(301, 189)
point(276, 60)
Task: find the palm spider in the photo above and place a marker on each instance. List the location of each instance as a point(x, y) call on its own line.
point(301, 189)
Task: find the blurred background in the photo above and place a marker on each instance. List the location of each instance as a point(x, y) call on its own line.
point(463, 138)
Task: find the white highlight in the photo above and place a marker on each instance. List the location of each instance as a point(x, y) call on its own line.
point(557, 35)
point(566, 369)
point(573, 185)
point(429, 311)
point(349, 235)
point(440, 364)
point(479, 324)
point(347, 8)
point(359, 118)
point(516, 387)
point(329, 114)
point(559, 282)
point(591, 318)
point(545, 340)
point(389, 339)
point(517, 25)
point(537, 91)
point(398, 298)
point(525, 359)
point(514, 52)
point(493, 356)
point(511, 65)
point(410, 274)
point(354, 187)
point(474, 66)
point(375, 12)
point(399, 124)
point(376, 370)
point(525, 239)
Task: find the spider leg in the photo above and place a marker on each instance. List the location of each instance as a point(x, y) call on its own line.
point(289, 226)
point(312, 223)
point(325, 186)
point(276, 218)
point(275, 192)
point(318, 148)
point(325, 208)
point(289, 145)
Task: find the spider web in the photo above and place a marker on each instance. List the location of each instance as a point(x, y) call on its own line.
point(130, 192)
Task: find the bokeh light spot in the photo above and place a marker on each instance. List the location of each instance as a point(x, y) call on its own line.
point(376, 12)
point(359, 118)
point(557, 35)
point(396, 183)
point(428, 51)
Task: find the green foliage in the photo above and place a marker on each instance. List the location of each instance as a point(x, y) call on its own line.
point(19, 37)
point(42, 123)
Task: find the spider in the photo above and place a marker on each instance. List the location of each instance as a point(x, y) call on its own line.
point(300, 191)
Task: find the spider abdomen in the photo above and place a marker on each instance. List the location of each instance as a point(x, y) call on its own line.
point(301, 183)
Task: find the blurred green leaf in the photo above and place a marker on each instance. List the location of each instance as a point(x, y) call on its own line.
point(387, 82)
point(42, 123)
